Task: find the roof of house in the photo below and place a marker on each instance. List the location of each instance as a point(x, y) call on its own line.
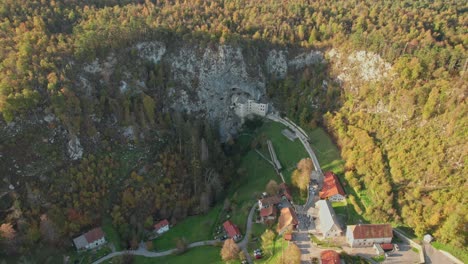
point(272, 200)
point(287, 236)
point(285, 191)
point(330, 257)
point(88, 237)
point(327, 216)
point(331, 186)
point(271, 210)
point(287, 217)
point(371, 231)
point(161, 224)
point(231, 229)
point(80, 242)
point(94, 235)
point(386, 246)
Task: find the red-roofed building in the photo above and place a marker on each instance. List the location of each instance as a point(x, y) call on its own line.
point(232, 230)
point(330, 257)
point(287, 237)
point(284, 191)
point(369, 234)
point(268, 213)
point(386, 247)
point(332, 189)
point(161, 226)
point(90, 240)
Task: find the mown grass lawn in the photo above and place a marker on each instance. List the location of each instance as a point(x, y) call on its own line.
point(327, 152)
point(193, 228)
point(277, 251)
point(204, 254)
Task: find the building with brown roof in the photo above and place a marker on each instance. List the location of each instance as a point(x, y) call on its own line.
point(332, 189)
point(269, 213)
point(90, 239)
point(330, 257)
point(232, 230)
point(161, 226)
point(287, 220)
point(284, 191)
point(368, 235)
point(269, 201)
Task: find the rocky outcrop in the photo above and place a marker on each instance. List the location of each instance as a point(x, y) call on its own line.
point(74, 148)
point(207, 81)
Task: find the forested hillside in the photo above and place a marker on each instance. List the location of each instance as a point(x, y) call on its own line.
point(403, 136)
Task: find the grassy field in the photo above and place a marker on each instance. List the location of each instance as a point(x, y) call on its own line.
point(257, 172)
point(194, 228)
point(111, 234)
point(327, 152)
point(347, 212)
point(205, 254)
point(461, 254)
point(278, 247)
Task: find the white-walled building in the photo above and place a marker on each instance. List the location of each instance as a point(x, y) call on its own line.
point(368, 235)
point(90, 240)
point(327, 223)
point(250, 107)
point(161, 227)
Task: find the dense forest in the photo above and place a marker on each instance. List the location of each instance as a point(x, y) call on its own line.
point(403, 138)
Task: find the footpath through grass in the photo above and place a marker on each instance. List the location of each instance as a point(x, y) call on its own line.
point(193, 229)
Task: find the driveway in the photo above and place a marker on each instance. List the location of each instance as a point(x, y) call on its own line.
point(248, 230)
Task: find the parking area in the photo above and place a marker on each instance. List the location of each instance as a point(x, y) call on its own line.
point(405, 254)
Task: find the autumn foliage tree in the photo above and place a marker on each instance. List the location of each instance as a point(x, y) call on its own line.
point(230, 250)
point(292, 254)
point(272, 187)
point(7, 231)
point(301, 176)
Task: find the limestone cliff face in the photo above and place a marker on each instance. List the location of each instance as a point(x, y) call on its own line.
point(210, 79)
point(207, 80)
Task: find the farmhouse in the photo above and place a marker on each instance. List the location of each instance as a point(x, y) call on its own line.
point(232, 230)
point(332, 189)
point(90, 240)
point(268, 201)
point(327, 223)
point(269, 213)
point(287, 220)
point(161, 227)
point(330, 257)
point(368, 235)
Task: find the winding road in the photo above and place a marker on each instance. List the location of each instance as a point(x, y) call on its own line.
point(144, 252)
point(243, 244)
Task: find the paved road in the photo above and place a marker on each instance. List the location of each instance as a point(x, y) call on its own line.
point(243, 244)
point(302, 137)
point(435, 256)
point(144, 252)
